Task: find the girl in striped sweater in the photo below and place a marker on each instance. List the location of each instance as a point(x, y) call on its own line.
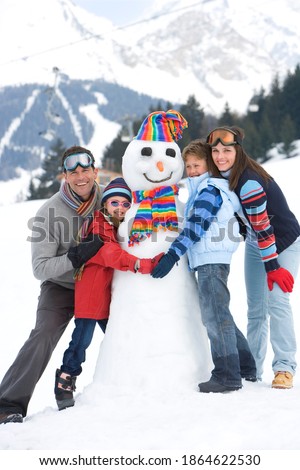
point(272, 252)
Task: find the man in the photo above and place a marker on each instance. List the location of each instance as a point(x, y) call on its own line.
point(55, 253)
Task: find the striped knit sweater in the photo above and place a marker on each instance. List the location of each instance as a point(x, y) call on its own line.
point(266, 208)
point(204, 211)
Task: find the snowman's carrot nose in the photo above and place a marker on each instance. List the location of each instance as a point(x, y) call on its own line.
point(160, 166)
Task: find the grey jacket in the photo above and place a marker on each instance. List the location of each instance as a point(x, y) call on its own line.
point(54, 231)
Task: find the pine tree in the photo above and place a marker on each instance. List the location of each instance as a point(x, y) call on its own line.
point(112, 156)
point(228, 118)
point(194, 115)
point(287, 133)
point(251, 144)
point(274, 109)
point(291, 98)
point(48, 182)
point(267, 136)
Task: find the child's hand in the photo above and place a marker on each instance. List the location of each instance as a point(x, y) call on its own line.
point(156, 260)
point(146, 265)
point(165, 264)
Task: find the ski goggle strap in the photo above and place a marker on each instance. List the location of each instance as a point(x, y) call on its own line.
point(223, 135)
point(82, 159)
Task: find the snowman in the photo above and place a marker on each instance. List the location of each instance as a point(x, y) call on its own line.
point(155, 338)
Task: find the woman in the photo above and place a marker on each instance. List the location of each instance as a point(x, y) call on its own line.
point(272, 252)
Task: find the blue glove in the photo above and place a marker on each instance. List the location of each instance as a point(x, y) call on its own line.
point(165, 264)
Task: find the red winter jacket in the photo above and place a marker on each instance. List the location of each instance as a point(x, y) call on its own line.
point(93, 290)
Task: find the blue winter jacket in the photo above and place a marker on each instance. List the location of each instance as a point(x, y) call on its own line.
point(211, 231)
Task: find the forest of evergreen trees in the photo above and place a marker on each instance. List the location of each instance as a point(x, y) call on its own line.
point(271, 119)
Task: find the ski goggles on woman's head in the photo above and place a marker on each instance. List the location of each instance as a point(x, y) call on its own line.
point(124, 204)
point(224, 136)
point(82, 159)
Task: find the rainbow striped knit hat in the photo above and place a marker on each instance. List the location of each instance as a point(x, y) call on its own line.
point(162, 126)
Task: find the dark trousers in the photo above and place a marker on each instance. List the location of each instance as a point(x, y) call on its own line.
point(55, 310)
point(82, 336)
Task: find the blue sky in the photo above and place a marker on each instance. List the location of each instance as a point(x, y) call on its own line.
point(120, 12)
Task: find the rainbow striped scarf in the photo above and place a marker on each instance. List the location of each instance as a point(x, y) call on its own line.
point(157, 210)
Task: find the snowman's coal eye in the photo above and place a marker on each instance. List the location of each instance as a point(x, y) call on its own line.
point(171, 153)
point(146, 151)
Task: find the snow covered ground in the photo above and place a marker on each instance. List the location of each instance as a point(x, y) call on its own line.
point(255, 420)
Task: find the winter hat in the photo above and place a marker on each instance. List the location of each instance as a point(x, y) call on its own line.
point(116, 187)
point(162, 126)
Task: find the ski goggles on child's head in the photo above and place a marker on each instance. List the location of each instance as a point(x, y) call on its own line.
point(224, 136)
point(82, 159)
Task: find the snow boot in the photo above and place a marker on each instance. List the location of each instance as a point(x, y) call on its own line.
point(64, 388)
point(214, 387)
point(10, 417)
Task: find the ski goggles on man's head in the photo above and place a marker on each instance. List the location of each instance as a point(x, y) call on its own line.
point(224, 136)
point(75, 159)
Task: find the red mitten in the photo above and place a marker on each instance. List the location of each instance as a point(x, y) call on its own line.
point(282, 277)
point(147, 264)
point(156, 259)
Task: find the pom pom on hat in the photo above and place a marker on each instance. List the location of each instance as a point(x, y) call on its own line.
point(116, 187)
point(162, 126)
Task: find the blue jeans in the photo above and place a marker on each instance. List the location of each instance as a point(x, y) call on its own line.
point(265, 305)
point(82, 336)
point(229, 348)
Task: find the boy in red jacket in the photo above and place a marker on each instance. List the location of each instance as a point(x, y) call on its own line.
point(93, 285)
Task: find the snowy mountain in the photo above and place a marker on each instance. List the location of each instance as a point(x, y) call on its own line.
point(208, 48)
point(73, 74)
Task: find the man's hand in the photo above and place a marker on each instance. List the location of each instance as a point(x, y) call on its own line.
point(85, 250)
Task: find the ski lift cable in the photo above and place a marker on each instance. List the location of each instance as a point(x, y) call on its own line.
point(100, 36)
